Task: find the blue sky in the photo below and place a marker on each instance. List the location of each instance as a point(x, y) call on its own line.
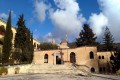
point(48, 28)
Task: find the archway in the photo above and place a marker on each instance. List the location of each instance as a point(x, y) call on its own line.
point(92, 70)
point(72, 57)
point(91, 55)
point(46, 58)
point(58, 60)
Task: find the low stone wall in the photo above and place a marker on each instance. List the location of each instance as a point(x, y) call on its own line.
point(18, 69)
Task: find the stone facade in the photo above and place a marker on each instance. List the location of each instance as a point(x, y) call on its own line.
point(36, 43)
point(85, 57)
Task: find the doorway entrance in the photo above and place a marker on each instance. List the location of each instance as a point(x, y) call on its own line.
point(72, 57)
point(58, 60)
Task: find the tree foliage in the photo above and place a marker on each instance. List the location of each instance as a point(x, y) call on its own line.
point(7, 45)
point(24, 41)
point(108, 40)
point(115, 60)
point(48, 46)
point(86, 37)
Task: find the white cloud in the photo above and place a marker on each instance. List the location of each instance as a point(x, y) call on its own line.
point(40, 9)
point(66, 18)
point(109, 16)
point(13, 14)
point(3, 15)
point(48, 37)
point(98, 22)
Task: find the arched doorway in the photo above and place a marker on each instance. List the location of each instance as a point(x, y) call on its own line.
point(72, 57)
point(58, 60)
point(92, 70)
point(46, 58)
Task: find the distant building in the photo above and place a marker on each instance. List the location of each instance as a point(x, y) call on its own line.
point(36, 43)
point(86, 57)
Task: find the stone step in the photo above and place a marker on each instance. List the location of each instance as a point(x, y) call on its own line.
point(62, 69)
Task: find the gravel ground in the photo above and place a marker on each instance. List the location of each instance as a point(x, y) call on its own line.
point(58, 77)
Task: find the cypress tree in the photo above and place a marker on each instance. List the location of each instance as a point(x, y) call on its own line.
point(31, 48)
point(108, 40)
point(7, 46)
point(24, 41)
point(20, 37)
point(86, 37)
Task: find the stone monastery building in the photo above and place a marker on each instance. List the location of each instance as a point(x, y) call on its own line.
point(2, 32)
point(86, 57)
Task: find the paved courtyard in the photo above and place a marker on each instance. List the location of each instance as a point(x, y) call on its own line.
point(58, 77)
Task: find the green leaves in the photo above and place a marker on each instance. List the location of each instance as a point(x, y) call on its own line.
point(7, 41)
point(86, 37)
point(48, 46)
point(108, 40)
point(24, 41)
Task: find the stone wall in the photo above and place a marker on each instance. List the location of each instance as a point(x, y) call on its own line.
point(82, 55)
point(104, 61)
point(22, 69)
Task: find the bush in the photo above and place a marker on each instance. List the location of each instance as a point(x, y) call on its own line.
point(3, 70)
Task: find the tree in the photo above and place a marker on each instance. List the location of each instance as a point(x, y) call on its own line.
point(115, 60)
point(86, 37)
point(24, 41)
point(108, 40)
point(7, 45)
point(48, 46)
point(31, 48)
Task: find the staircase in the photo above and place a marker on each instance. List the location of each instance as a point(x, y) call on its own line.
point(59, 69)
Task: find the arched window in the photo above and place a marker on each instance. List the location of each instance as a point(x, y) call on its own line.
point(72, 57)
point(46, 58)
point(102, 57)
point(37, 46)
point(99, 57)
point(34, 45)
point(92, 70)
point(2, 30)
point(91, 55)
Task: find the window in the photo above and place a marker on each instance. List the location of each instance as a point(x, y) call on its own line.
point(2, 30)
point(37, 46)
point(34, 45)
point(92, 70)
point(99, 57)
point(102, 57)
point(46, 58)
point(91, 55)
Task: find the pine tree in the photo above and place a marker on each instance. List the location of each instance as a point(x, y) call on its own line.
point(86, 37)
point(108, 40)
point(23, 41)
point(7, 46)
point(20, 37)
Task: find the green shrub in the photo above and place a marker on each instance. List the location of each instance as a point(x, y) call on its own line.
point(3, 70)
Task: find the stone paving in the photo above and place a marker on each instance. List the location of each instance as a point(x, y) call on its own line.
point(58, 77)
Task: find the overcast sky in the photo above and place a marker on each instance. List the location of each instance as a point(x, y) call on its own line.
point(54, 19)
